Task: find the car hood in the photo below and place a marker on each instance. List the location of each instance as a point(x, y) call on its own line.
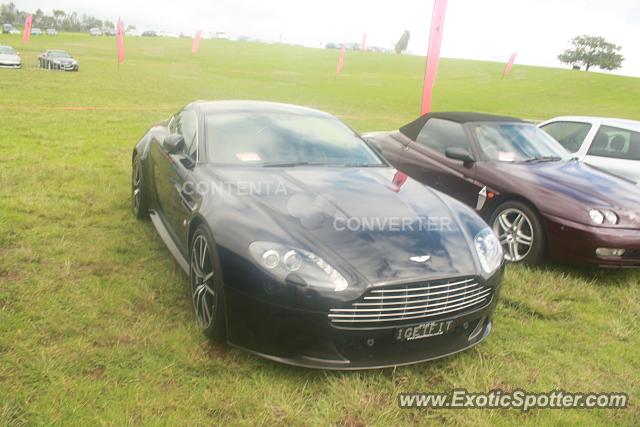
point(9, 58)
point(64, 60)
point(356, 219)
point(563, 188)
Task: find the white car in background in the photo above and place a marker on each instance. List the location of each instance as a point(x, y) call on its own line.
point(9, 58)
point(609, 144)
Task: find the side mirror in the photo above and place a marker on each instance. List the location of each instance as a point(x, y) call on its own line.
point(173, 143)
point(458, 153)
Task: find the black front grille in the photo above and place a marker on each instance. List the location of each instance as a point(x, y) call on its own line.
point(411, 303)
point(632, 254)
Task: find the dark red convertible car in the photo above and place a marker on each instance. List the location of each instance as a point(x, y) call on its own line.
point(539, 201)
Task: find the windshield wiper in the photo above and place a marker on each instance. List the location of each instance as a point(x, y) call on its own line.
point(307, 163)
point(543, 159)
point(289, 164)
point(361, 165)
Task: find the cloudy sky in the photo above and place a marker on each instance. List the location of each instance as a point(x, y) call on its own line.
point(476, 29)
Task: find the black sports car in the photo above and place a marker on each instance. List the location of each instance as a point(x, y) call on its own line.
point(304, 246)
point(58, 60)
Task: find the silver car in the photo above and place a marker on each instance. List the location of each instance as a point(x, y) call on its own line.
point(609, 144)
point(9, 58)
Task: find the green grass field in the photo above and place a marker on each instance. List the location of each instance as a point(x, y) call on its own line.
point(96, 325)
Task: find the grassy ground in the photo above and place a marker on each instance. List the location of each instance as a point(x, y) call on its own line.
point(95, 319)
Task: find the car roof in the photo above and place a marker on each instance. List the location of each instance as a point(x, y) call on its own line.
point(255, 107)
point(607, 121)
point(411, 130)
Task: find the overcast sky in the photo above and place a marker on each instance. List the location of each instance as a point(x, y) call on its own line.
point(475, 29)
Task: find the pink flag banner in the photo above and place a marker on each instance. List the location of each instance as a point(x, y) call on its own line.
point(195, 45)
point(27, 29)
point(120, 42)
point(507, 68)
point(340, 61)
point(433, 54)
point(363, 44)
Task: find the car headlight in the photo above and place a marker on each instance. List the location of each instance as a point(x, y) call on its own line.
point(489, 250)
point(611, 217)
point(600, 217)
point(596, 216)
point(282, 260)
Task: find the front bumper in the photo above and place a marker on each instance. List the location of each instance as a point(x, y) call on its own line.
point(573, 242)
point(73, 67)
point(308, 339)
point(10, 65)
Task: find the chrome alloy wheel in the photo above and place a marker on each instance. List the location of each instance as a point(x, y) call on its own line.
point(202, 288)
point(515, 232)
point(136, 179)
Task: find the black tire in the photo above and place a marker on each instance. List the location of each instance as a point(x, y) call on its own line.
point(520, 231)
point(139, 200)
point(207, 295)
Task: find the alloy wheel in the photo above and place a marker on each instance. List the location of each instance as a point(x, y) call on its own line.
point(136, 180)
point(515, 232)
point(202, 287)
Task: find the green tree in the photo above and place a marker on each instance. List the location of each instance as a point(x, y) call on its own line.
point(589, 51)
point(402, 44)
point(59, 16)
point(8, 13)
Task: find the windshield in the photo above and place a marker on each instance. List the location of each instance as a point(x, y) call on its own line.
point(59, 54)
point(517, 142)
point(284, 139)
point(6, 50)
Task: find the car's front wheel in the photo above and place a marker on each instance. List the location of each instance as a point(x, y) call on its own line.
point(139, 202)
point(205, 276)
point(520, 232)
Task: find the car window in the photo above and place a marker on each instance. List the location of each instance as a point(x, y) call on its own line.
point(516, 142)
point(58, 54)
point(440, 134)
point(188, 128)
point(570, 135)
point(616, 143)
point(278, 138)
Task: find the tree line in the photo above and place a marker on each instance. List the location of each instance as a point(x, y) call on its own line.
point(58, 19)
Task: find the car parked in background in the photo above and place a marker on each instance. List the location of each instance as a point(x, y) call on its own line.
point(149, 33)
point(9, 58)
point(58, 60)
point(36, 32)
point(52, 32)
point(6, 28)
point(539, 201)
point(252, 199)
point(609, 144)
point(95, 32)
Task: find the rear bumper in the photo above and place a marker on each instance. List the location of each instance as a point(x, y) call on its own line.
point(574, 242)
point(308, 339)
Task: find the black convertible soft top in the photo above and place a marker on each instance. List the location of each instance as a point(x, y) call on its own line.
point(412, 129)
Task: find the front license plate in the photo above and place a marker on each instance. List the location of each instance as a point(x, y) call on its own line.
point(423, 330)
